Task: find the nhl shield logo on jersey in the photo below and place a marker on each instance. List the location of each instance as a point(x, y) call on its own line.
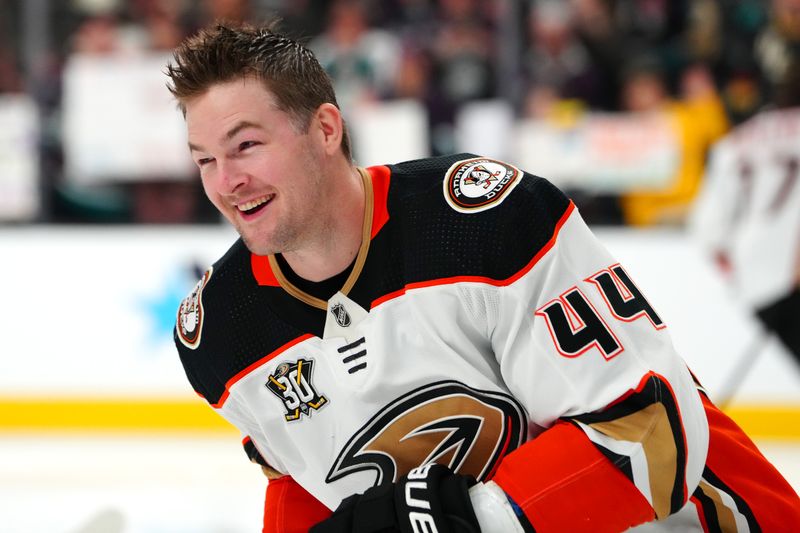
point(340, 314)
point(292, 383)
point(447, 422)
point(478, 184)
point(190, 314)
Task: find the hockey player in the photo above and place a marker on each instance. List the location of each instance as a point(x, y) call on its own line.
point(406, 349)
point(748, 217)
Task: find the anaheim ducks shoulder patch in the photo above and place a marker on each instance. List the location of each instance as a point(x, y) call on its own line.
point(191, 314)
point(479, 184)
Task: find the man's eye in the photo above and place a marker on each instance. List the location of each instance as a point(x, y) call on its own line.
point(247, 144)
point(204, 161)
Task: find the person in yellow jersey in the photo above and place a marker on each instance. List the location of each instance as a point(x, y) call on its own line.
point(698, 119)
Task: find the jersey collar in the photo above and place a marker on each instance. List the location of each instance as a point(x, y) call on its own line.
point(361, 257)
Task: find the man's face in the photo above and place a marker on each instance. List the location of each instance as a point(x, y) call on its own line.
point(257, 168)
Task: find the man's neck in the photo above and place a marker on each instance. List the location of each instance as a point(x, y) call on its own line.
point(334, 251)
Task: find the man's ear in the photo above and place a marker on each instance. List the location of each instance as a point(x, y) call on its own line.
point(331, 127)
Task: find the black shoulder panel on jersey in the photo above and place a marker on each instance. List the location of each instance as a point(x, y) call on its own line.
point(240, 327)
point(427, 239)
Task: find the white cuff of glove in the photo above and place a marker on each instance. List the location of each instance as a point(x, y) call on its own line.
point(493, 510)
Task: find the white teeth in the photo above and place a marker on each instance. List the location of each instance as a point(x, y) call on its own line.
point(247, 206)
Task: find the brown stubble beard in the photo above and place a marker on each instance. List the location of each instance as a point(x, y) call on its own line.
point(291, 235)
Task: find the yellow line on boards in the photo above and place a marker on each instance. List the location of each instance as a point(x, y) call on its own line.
point(92, 414)
point(767, 421)
point(182, 416)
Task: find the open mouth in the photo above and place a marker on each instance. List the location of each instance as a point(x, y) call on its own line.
point(254, 206)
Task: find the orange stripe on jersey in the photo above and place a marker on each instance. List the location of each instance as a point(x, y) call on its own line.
point(289, 508)
point(231, 382)
point(262, 271)
point(563, 483)
point(481, 279)
point(735, 466)
point(381, 177)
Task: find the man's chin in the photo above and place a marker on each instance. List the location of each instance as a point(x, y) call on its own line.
point(262, 241)
point(259, 249)
point(257, 246)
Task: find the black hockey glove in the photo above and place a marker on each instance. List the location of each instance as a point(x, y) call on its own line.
point(429, 499)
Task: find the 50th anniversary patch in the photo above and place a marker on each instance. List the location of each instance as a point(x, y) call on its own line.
point(292, 383)
point(478, 184)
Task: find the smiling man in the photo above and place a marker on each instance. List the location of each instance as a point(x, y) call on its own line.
point(435, 345)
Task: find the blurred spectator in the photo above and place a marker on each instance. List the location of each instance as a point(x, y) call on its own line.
point(413, 21)
point(738, 75)
point(644, 85)
point(573, 55)
point(747, 216)
point(743, 95)
point(604, 43)
point(155, 24)
point(303, 19)
point(361, 61)
point(121, 31)
point(777, 47)
point(97, 35)
point(10, 78)
point(230, 10)
point(557, 59)
point(413, 78)
point(657, 27)
point(463, 51)
point(165, 202)
point(415, 81)
point(699, 119)
point(704, 31)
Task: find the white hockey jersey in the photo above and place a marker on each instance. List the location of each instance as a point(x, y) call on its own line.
point(483, 327)
point(749, 206)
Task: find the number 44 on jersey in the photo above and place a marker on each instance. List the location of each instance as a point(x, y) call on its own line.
point(575, 325)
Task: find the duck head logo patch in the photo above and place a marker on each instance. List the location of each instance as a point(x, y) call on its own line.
point(466, 429)
point(292, 383)
point(478, 184)
point(189, 325)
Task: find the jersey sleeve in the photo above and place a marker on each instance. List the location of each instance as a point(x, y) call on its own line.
point(713, 215)
point(622, 436)
point(289, 508)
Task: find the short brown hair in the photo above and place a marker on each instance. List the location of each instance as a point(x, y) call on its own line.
point(224, 52)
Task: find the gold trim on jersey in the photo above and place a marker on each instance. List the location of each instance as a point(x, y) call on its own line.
point(725, 517)
point(361, 257)
point(651, 428)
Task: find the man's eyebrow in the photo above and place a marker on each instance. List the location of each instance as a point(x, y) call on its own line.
point(244, 124)
point(239, 127)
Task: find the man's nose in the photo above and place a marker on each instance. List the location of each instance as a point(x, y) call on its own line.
point(232, 176)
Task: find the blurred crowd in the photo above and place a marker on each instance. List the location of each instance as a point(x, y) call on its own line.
point(715, 63)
